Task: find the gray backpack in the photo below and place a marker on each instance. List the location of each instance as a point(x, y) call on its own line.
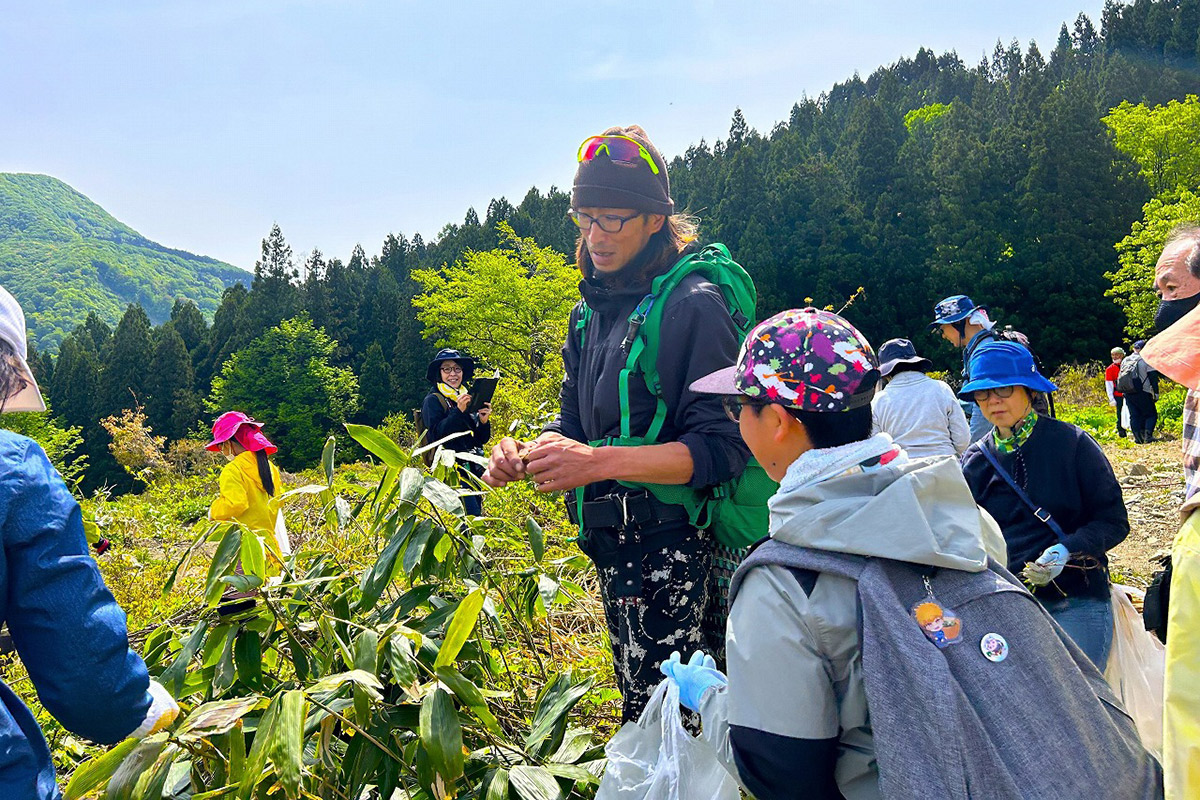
point(1127, 380)
point(950, 723)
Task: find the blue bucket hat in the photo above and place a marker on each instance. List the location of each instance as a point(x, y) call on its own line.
point(997, 364)
point(433, 373)
point(954, 309)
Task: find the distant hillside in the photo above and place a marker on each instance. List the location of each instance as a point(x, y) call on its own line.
point(61, 256)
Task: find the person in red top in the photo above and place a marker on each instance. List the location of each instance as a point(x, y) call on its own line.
point(1115, 398)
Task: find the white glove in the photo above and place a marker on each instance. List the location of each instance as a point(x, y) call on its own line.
point(162, 712)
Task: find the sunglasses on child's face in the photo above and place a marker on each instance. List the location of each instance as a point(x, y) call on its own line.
point(734, 403)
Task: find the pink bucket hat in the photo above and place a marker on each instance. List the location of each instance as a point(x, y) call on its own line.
point(245, 429)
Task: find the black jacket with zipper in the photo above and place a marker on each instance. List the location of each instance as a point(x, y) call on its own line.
point(697, 336)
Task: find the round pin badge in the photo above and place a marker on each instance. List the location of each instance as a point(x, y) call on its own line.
point(994, 647)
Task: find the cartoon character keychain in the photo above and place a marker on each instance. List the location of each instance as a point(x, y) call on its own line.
point(939, 624)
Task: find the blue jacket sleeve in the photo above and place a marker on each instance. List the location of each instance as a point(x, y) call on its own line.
point(67, 628)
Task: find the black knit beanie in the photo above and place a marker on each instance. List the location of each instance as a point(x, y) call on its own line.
point(600, 183)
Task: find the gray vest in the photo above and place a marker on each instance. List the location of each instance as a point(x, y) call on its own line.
point(952, 724)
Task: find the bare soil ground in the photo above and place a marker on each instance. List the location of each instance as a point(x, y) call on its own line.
point(1151, 476)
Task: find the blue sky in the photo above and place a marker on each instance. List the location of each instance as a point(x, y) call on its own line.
point(201, 123)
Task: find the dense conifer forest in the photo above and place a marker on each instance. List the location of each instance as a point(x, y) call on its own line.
point(932, 176)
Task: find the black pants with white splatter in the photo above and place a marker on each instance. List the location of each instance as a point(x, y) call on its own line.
point(678, 608)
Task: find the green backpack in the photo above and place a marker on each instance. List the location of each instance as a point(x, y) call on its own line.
point(735, 512)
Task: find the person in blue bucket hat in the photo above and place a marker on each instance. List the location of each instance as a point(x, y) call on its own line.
point(967, 326)
point(1052, 491)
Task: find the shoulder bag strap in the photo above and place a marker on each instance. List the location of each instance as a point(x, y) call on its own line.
point(1039, 512)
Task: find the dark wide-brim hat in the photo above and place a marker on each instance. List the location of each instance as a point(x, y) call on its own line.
point(895, 352)
point(999, 364)
point(434, 373)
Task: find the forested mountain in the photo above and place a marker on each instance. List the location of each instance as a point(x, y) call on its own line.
point(61, 256)
point(929, 177)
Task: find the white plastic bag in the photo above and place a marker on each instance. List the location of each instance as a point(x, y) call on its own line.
point(1135, 669)
point(656, 758)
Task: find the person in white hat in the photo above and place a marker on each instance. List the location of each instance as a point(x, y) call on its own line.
point(67, 629)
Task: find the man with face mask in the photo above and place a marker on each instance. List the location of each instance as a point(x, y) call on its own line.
point(1177, 281)
point(1176, 352)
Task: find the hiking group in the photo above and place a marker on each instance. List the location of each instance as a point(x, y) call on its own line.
point(892, 589)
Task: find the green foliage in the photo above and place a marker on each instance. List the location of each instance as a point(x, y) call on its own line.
point(1133, 280)
point(285, 380)
point(60, 442)
point(393, 652)
point(925, 115)
point(1162, 140)
point(62, 256)
point(510, 304)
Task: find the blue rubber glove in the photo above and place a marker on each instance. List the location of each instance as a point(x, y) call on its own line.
point(1049, 564)
point(694, 678)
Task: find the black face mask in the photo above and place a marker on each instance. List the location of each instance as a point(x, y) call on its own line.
point(1171, 311)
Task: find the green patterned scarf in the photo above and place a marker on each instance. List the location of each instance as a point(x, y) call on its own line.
point(1020, 433)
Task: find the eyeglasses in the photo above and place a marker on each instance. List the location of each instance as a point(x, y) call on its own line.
point(1003, 392)
point(734, 403)
point(609, 223)
point(620, 150)
point(452, 368)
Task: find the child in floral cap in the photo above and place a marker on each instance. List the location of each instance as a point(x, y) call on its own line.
point(801, 391)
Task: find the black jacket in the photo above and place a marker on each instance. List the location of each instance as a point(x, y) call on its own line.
point(1063, 470)
point(443, 418)
point(697, 337)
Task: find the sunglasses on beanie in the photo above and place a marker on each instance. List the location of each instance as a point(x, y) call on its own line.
point(619, 149)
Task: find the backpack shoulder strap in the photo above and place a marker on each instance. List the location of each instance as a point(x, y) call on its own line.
point(770, 551)
point(643, 336)
point(1042, 514)
point(585, 316)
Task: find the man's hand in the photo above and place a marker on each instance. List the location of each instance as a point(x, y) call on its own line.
point(557, 464)
point(462, 402)
point(485, 412)
point(507, 463)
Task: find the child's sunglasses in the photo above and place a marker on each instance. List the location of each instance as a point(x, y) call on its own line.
point(619, 149)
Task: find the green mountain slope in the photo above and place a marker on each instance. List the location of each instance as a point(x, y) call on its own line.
point(61, 256)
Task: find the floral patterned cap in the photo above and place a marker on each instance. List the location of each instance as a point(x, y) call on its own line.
point(807, 359)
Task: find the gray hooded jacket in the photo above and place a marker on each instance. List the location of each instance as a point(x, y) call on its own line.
point(793, 721)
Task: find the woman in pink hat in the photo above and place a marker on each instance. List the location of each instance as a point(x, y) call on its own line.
point(249, 483)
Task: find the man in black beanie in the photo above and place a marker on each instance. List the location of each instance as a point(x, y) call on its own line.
point(663, 580)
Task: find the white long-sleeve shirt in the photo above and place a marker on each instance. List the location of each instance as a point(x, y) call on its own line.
point(922, 415)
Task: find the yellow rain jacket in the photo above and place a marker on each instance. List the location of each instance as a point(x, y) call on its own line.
point(1181, 734)
point(243, 498)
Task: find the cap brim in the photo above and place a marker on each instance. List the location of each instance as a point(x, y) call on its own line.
point(956, 317)
point(29, 398)
point(720, 382)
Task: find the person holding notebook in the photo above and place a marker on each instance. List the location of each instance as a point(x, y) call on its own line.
point(447, 410)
